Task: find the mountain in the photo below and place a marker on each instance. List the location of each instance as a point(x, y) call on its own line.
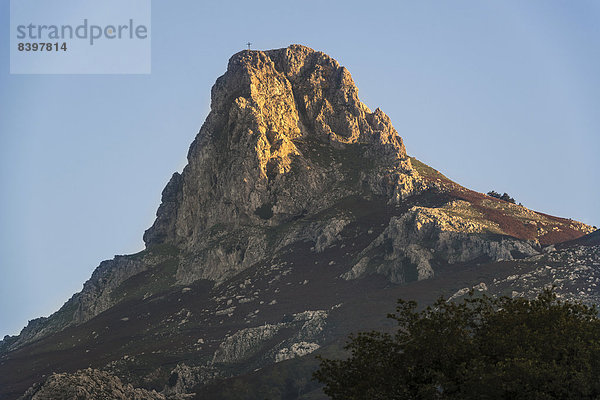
point(298, 219)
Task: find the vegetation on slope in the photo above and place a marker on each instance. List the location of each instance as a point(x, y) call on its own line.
point(481, 348)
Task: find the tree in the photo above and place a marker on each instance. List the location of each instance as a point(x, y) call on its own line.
point(505, 196)
point(480, 348)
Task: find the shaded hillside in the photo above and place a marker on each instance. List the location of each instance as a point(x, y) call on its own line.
point(591, 239)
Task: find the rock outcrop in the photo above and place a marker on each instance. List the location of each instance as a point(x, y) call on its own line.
point(89, 384)
point(287, 136)
point(271, 114)
point(406, 249)
point(245, 343)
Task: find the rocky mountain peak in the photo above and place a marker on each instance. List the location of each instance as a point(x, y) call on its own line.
point(298, 218)
point(286, 127)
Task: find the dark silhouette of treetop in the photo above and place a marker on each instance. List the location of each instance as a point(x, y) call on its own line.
point(480, 348)
point(505, 196)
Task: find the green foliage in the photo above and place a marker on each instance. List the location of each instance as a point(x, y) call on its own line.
point(505, 196)
point(481, 348)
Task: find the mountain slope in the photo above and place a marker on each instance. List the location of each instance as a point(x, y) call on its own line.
point(298, 218)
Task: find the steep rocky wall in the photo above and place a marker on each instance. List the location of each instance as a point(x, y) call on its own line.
point(246, 165)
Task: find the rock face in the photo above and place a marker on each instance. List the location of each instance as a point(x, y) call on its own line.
point(412, 242)
point(270, 112)
point(247, 342)
point(297, 216)
point(573, 271)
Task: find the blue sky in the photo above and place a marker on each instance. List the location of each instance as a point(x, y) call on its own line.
point(497, 95)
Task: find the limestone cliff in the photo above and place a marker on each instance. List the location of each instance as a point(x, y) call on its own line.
point(257, 160)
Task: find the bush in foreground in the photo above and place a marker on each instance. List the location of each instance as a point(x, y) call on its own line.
point(480, 348)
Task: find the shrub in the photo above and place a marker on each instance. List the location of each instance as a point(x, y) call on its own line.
point(504, 196)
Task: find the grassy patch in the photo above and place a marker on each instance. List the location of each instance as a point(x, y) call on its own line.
point(426, 171)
